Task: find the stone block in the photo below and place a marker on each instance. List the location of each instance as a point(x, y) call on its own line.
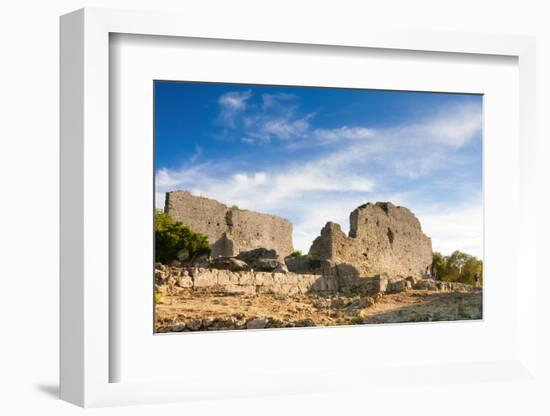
point(205, 279)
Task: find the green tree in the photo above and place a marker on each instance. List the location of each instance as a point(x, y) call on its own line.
point(439, 264)
point(171, 236)
point(472, 267)
point(458, 267)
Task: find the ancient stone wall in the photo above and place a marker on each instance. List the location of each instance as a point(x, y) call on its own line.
point(253, 282)
point(383, 238)
point(230, 230)
point(245, 282)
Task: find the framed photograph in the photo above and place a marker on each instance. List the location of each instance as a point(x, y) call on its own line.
point(281, 213)
point(293, 163)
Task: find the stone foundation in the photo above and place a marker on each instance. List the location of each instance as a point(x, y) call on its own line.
point(288, 284)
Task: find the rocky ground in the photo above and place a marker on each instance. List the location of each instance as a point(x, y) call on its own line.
point(188, 310)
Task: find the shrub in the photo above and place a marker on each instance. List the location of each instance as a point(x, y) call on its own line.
point(171, 236)
point(458, 267)
point(296, 253)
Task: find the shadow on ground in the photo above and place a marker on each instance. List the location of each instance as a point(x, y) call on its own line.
point(433, 307)
point(51, 390)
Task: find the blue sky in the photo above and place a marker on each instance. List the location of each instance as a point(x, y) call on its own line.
point(313, 155)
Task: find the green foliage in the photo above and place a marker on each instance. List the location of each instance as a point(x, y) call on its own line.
point(296, 253)
point(458, 267)
point(234, 207)
point(171, 236)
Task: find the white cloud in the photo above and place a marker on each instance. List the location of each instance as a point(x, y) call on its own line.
point(276, 118)
point(312, 195)
point(458, 228)
point(271, 101)
point(285, 129)
point(454, 127)
point(343, 133)
point(352, 165)
point(265, 189)
point(232, 104)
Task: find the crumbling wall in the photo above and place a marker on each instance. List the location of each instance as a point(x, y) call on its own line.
point(172, 279)
point(383, 238)
point(230, 230)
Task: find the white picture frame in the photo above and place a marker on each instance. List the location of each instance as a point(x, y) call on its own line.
point(86, 353)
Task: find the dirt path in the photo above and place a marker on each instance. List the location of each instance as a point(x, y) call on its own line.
point(194, 311)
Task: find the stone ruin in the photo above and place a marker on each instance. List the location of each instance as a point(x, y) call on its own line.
point(383, 239)
point(230, 230)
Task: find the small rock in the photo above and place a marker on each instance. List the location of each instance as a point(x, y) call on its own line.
point(194, 325)
point(171, 281)
point(257, 323)
point(227, 323)
point(185, 281)
point(160, 276)
point(207, 322)
point(304, 322)
point(366, 302)
point(178, 328)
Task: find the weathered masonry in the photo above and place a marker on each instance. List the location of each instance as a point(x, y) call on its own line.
point(383, 238)
point(230, 230)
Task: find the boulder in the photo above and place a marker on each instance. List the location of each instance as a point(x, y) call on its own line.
point(303, 265)
point(396, 285)
point(184, 281)
point(257, 253)
point(262, 259)
point(267, 265)
point(228, 263)
point(257, 323)
point(425, 284)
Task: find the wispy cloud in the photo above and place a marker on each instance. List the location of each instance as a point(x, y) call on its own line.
point(456, 228)
point(453, 127)
point(266, 190)
point(277, 117)
point(342, 168)
point(232, 104)
point(342, 133)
